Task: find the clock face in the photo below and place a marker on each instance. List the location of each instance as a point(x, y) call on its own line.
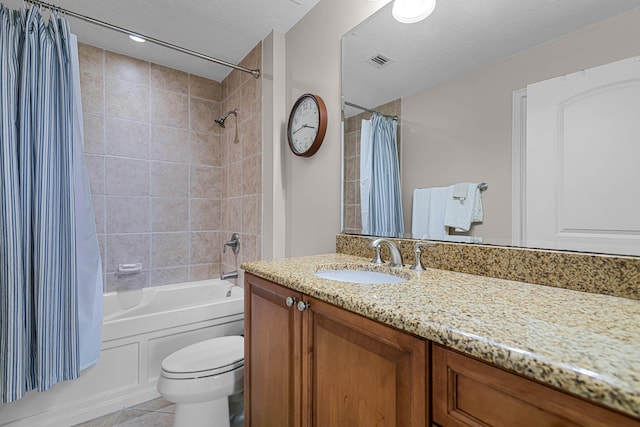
point(304, 125)
point(307, 125)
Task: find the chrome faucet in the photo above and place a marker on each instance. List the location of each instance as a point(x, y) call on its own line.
point(234, 244)
point(230, 275)
point(396, 256)
point(417, 261)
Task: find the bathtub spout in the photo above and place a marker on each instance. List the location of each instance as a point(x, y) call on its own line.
point(229, 275)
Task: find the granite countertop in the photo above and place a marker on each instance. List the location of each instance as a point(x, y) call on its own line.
point(586, 344)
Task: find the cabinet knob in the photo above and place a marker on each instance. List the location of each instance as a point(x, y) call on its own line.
point(290, 301)
point(302, 305)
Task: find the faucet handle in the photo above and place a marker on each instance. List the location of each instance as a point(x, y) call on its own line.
point(417, 252)
point(377, 259)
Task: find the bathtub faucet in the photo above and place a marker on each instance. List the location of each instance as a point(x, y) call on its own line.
point(234, 244)
point(229, 275)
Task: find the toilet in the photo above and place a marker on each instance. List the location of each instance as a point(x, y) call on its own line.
point(200, 379)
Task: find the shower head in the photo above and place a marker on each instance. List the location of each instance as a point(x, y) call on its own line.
point(221, 120)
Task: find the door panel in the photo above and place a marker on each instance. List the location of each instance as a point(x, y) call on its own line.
point(582, 168)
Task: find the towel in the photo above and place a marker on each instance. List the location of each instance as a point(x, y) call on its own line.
point(428, 213)
point(462, 211)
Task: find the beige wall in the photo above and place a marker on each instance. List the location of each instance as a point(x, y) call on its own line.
point(163, 176)
point(312, 185)
point(461, 130)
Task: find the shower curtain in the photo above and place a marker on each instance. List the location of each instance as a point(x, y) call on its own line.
point(380, 197)
point(50, 269)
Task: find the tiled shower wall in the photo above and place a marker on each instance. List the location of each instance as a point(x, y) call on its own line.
point(352, 127)
point(158, 169)
point(241, 207)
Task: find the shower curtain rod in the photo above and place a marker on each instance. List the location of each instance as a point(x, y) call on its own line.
point(52, 7)
point(350, 104)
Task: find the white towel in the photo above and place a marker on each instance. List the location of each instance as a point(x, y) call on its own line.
point(461, 212)
point(427, 221)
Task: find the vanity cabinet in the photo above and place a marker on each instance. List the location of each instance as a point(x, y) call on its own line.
point(313, 364)
point(469, 392)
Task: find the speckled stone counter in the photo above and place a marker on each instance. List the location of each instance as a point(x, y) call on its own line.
point(585, 344)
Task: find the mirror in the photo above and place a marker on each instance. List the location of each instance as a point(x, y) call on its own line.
point(452, 80)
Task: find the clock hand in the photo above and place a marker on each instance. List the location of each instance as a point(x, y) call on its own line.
point(302, 127)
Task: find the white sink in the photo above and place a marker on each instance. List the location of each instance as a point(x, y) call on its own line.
point(360, 276)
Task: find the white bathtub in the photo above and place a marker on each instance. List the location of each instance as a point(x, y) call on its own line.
point(135, 339)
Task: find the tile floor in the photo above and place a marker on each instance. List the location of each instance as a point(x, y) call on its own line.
point(154, 413)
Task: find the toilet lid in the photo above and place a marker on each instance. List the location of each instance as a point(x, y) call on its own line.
point(220, 354)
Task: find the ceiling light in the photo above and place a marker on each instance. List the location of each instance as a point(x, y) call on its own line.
point(136, 38)
point(410, 11)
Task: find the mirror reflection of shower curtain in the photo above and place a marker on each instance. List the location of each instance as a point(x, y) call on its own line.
point(380, 197)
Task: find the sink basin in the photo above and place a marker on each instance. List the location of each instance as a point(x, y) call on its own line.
point(360, 276)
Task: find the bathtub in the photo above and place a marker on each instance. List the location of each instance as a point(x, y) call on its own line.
point(140, 328)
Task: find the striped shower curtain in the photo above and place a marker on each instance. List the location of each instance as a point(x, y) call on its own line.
point(381, 200)
point(40, 340)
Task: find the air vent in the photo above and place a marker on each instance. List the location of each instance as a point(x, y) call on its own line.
point(379, 60)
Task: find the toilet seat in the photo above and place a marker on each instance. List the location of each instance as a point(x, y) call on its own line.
point(207, 358)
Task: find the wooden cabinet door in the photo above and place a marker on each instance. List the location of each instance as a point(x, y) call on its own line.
point(360, 372)
point(272, 355)
point(468, 392)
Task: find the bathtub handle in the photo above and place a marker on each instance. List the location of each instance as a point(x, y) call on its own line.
point(290, 301)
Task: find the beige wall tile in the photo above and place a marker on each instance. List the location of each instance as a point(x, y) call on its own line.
point(204, 214)
point(169, 79)
point(95, 170)
point(205, 149)
point(99, 207)
point(234, 217)
point(92, 92)
point(123, 67)
point(250, 209)
point(169, 276)
point(203, 115)
point(169, 249)
point(170, 144)
point(128, 214)
point(169, 109)
point(169, 179)
point(93, 125)
point(128, 249)
point(204, 249)
point(204, 271)
point(127, 282)
point(249, 99)
point(250, 252)
point(234, 151)
point(169, 214)
point(140, 116)
point(251, 175)
point(235, 179)
point(126, 176)
point(127, 100)
point(90, 59)
point(205, 182)
point(251, 131)
point(205, 88)
point(127, 138)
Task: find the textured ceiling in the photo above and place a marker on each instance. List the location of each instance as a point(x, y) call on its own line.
point(459, 37)
point(224, 29)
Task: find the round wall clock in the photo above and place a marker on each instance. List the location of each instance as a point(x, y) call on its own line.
point(307, 125)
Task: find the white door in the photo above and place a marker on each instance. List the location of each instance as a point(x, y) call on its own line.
point(583, 160)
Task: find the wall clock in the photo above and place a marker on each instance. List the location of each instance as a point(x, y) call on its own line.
point(307, 125)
